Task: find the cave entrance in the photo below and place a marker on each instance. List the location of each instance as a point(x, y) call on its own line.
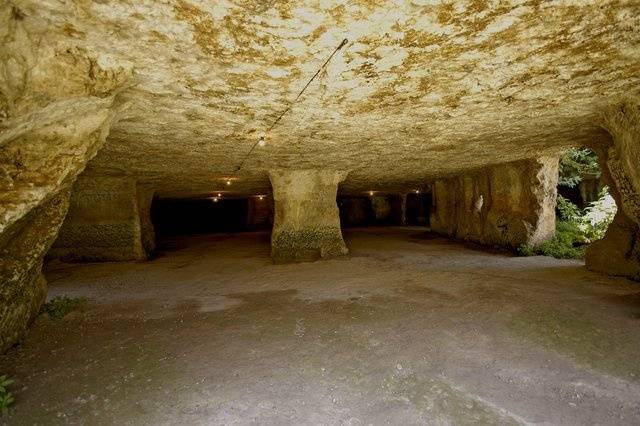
point(211, 215)
point(584, 209)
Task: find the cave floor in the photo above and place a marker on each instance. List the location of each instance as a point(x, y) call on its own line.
point(409, 329)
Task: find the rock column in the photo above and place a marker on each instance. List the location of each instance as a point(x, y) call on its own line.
point(508, 205)
point(307, 223)
point(108, 220)
point(618, 253)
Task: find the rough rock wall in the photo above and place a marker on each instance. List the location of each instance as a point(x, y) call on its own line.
point(24, 288)
point(618, 253)
point(507, 205)
point(108, 220)
point(57, 105)
point(307, 222)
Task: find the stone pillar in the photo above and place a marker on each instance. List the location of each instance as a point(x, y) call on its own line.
point(108, 220)
point(618, 253)
point(307, 223)
point(403, 209)
point(506, 205)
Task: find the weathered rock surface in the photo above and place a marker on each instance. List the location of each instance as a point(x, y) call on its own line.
point(108, 220)
point(422, 88)
point(23, 287)
point(506, 205)
point(307, 223)
point(57, 104)
point(618, 253)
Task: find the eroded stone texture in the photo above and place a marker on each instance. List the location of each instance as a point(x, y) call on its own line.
point(618, 253)
point(108, 220)
point(22, 247)
point(422, 89)
point(507, 205)
point(307, 223)
point(57, 105)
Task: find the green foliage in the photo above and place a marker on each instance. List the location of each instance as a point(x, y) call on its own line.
point(60, 306)
point(567, 210)
point(598, 215)
point(6, 397)
point(575, 164)
point(575, 228)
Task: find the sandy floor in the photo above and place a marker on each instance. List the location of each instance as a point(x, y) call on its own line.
point(409, 329)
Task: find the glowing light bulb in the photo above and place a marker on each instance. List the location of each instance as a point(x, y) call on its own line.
point(417, 191)
point(260, 197)
point(371, 193)
point(228, 181)
point(262, 142)
point(215, 200)
point(219, 194)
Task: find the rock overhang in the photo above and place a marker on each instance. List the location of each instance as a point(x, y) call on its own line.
point(422, 89)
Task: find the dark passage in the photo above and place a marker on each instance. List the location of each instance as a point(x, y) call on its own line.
point(418, 209)
point(205, 215)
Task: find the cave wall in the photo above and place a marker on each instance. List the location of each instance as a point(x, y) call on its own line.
point(57, 106)
point(618, 253)
point(109, 219)
point(506, 205)
point(24, 288)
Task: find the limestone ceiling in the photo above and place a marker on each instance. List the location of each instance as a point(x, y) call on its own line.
point(422, 88)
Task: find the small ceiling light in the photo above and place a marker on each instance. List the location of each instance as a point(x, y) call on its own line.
point(371, 193)
point(219, 194)
point(260, 197)
point(417, 191)
point(215, 200)
point(228, 182)
point(262, 142)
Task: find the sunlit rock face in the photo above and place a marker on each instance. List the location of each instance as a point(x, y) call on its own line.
point(57, 105)
point(421, 89)
point(509, 205)
point(23, 287)
point(618, 253)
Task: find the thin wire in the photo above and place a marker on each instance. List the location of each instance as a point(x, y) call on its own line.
point(288, 108)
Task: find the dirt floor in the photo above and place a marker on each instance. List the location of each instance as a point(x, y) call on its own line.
point(409, 329)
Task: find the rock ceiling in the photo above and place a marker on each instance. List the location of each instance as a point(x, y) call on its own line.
point(422, 88)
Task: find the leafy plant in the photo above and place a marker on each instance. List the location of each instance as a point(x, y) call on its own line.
point(6, 397)
point(575, 229)
point(60, 306)
point(575, 164)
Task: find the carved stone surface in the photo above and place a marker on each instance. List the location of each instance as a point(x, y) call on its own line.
point(307, 223)
point(618, 253)
point(507, 205)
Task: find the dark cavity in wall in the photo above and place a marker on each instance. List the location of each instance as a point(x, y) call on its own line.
point(206, 216)
point(418, 209)
point(384, 210)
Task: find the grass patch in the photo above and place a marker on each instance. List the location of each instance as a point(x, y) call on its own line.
point(567, 243)
point(6, 397)
point(58, 307)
